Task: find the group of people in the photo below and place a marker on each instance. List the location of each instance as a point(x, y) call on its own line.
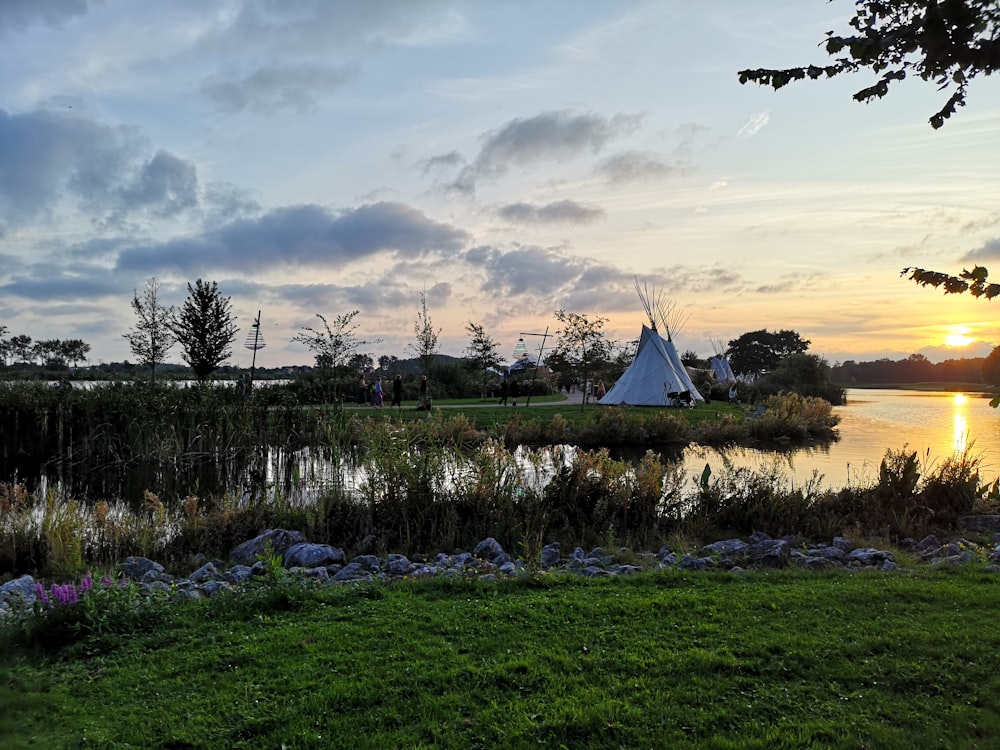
point(375, 393)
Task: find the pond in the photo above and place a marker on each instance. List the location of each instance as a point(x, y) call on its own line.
point(937, 425)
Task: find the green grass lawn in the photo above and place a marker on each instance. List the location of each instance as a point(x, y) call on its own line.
point(761, 660)
point(486, 414)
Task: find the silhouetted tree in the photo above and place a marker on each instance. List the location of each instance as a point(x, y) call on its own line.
point(947, 42)
point(152, 336)
point(426, 345)
point(205, 328)
point(761, 351)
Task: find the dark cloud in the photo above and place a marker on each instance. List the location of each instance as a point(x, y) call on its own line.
point(634, 166)
point(536, 271)
point(451, 160)
point(301, 236)
point(17, 15)
point(548, 136)
point(279, 89)
point(49, 156)
point(988, 252)
point(225, 203)
point(559, 212)
point(56, 286)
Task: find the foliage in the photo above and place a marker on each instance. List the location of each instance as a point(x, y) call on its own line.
point(426, 344)
point(334, 346)
point(153, 336)
point(581, 341)
point(482, 352)
point(975, 282)
point(947, 42)
point(205, 328)
point(804, 374)
point(991, 367)
point(757, 352)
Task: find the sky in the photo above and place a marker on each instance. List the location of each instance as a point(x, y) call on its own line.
point(504, 160)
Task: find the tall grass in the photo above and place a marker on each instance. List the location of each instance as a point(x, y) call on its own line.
point(400, 495)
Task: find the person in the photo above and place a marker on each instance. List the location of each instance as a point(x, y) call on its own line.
point(422, 402)
point(503, 391)
point(397, 391)
point(515, 391)
point(588, 389)
point(377, 395)
point(362, 390)
point(601, 390)
point(733, 395)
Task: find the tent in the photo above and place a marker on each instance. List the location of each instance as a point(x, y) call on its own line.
point(723, 372)
point(656, 376)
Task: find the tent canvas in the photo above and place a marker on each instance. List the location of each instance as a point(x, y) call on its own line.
point(723, 372)
point(652, 376)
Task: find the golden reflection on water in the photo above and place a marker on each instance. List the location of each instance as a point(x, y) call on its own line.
point(960, 431)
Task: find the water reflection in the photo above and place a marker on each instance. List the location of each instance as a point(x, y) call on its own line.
point(960, 440)
point(935, 425)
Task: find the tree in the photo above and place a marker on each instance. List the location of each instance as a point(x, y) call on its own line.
point(948, 42)
point(49, 352)
point(426, 346)
point(975, 282)
point(581, 340)
point(991, 367)
point(20, 346)
point(362, 363)
point(336, 343)
point(152, 337)
point(757, 352)
point(73, 351)
point(205, 328)
point(482, 352)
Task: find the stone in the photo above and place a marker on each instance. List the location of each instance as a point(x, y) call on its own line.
point(138, 567)
point(307, 555)
point(279, 540)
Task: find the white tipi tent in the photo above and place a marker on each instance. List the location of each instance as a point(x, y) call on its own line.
point(720, 365)
point(656, 376)
point(723, 372)
point(652, 379)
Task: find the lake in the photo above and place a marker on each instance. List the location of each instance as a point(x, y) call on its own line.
point(936, 425)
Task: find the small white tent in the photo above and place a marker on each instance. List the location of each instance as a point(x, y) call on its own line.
point(653, 379)
point(723, 372)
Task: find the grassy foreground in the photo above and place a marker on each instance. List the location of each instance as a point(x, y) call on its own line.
point(762, 660)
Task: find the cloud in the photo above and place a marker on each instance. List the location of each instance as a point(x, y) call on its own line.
point(549, 136)
point(279, 89)
point(17, 15)
point(988, 252)
point(48, 157)
point(559, 212)
point(635, 166)
point(301, 236)
point(754, 125)
point(442, 161)
point(58, 286)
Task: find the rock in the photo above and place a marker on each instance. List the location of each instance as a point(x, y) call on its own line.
point(138, 567)
point(280, 540)
point(550, 555)
point(984, 524)
point(725, 548)
point(23, 587)
point(490, 549)
point(769, 553)
point(207, 572)
point(398, 565)
point(306, 555)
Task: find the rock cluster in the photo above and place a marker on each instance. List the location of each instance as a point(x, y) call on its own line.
point(277, 549)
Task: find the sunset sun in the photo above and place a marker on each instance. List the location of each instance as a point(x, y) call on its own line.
point(957, 337)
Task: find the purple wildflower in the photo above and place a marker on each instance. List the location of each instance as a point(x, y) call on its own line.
point(42, 597)
point(86, 583)
point(106, 582)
